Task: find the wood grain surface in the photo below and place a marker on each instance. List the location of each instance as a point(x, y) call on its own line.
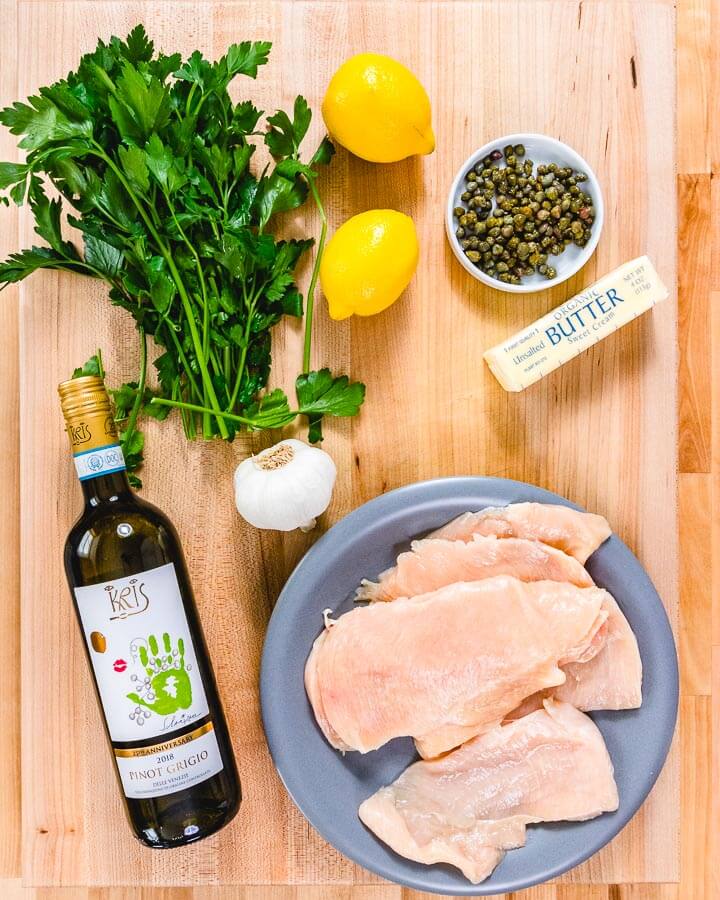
point(448, 415)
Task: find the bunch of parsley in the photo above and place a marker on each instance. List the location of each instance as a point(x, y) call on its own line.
point(153, 163)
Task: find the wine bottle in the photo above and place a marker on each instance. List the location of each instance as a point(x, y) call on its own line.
point(144, 642)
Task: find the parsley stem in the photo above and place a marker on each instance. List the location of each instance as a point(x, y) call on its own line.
point(194, 407)
point(310, 304)
point(282, 420)
point(250, 304)
point(183, 359)
point(203, 303)
point(140, 394)
point(187, 305)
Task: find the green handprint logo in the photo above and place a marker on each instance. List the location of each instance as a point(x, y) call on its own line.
point(167, 687)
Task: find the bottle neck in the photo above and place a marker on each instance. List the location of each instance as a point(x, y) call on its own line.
point(96, 449)
point(109, 488)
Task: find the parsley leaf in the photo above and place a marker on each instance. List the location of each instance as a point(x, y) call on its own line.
point(93, 366)
point(320, 394)
point(245, 58)
point(285, 136)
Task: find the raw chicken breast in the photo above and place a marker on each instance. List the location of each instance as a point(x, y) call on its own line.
point(433, 563)
point(611, 679)
point(471, 805)
point(577, 533)
point(447, 665)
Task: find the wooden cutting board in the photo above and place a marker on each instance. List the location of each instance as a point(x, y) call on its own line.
point(602, 431)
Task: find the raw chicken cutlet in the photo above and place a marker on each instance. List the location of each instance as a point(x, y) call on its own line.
point(433, 563)
point(445, 666)
point(468, 807)
point(576, 533)
point(612, 679)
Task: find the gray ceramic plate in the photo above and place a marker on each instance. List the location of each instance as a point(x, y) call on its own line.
point(328, 787)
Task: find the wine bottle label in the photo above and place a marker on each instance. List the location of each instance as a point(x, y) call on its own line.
point(103, 461)
point(169, 766)
point(142, 654)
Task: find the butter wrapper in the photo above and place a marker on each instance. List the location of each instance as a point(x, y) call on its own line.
point(582, 321)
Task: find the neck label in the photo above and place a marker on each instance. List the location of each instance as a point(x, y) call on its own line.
point(99, 461)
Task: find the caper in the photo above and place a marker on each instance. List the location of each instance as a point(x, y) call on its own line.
point(516, 214)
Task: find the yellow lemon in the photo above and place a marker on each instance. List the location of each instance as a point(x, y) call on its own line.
point(378, 110)
point(368, 263)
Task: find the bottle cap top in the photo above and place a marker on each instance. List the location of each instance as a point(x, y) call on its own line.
point(84, 396)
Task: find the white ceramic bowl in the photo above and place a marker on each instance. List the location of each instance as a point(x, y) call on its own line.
point(541, 150)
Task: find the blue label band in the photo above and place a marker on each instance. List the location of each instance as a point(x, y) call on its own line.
point(101, 461)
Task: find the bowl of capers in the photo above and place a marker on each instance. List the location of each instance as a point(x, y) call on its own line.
point(524, 213)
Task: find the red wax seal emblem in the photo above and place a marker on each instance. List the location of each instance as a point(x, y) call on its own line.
point(119, 665)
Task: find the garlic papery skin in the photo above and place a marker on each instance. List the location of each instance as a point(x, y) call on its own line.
point(285, 487)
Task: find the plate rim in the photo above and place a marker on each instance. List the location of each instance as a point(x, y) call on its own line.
point(342, 846)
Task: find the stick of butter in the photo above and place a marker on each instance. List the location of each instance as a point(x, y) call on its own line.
point(587, 318)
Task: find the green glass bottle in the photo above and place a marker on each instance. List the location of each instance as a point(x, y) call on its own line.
point(144, 642)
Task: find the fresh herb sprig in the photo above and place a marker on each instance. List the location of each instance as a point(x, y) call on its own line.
point(153, 160)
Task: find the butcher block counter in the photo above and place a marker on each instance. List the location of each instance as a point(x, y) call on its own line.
point(628, 430)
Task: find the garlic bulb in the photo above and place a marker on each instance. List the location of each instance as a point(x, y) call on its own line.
point(285, 487)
